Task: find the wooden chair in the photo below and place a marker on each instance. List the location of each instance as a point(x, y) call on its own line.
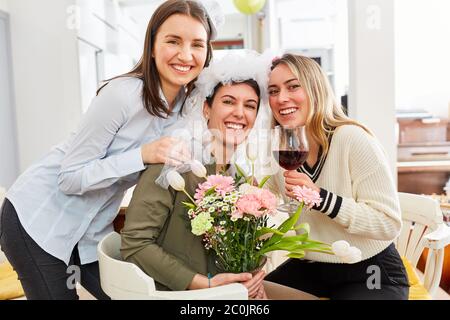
point(125, 281)
point(423, 227)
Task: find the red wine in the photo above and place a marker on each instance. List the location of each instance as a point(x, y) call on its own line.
point(289, 159)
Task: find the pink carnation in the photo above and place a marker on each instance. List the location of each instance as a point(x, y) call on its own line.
point(310, 197)
point(236, 214)
point(250, 204)
point(257, 204)
point(268, 201)
point(223, 185)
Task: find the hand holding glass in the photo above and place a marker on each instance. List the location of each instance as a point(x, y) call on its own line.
point(290, 149)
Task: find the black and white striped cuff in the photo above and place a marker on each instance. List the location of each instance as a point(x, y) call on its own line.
point(330, 205)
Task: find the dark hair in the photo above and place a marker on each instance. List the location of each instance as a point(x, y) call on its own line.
point(146, 69)
point(250, 82)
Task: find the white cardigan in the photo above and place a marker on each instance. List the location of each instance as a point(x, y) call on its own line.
point(360, 202)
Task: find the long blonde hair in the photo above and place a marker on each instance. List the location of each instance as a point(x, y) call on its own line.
point(325, 114)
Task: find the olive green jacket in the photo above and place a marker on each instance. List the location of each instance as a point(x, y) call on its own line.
point(157, 233)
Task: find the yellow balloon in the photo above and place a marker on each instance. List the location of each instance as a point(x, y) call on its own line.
point(249, 6)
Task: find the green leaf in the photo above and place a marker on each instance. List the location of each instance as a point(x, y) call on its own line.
point(286, 246)
point(304, 226)
point(286, 225)
point(296, 255)
point(266, 230)
point(298, 238)
point(240, 171)
point(263, 182)
point(189, 205)
point(210, 191)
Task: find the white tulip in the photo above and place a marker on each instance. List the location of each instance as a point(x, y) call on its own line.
point(252, 150)
point(354, 255)
point(340, 248)
point(198, 169)
point(175, 180)
point(248, 189)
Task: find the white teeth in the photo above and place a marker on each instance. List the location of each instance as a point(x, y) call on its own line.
point(182, 68)
point(288, 111)
point(234, 126)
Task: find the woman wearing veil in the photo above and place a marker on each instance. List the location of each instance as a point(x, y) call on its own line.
point(156, 236)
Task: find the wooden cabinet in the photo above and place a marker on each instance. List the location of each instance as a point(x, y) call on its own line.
point(423, 177)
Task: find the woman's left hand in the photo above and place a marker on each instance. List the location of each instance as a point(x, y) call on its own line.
point(294, 178)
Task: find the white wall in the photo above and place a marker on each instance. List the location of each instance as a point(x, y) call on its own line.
point(422, 55)
point(9, 168)
point(46, 77)
point(312, 28)
point(372, 64)
point(110, 43)
point(4, 5)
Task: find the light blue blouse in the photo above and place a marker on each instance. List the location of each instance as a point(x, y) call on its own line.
point(73, 194)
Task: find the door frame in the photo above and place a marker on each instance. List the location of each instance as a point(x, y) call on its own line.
point(5, 17)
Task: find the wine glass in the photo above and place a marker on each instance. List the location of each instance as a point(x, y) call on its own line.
point(290, 149)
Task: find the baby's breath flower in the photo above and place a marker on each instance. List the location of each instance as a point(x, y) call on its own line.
point(226, 208)
point(211, 209)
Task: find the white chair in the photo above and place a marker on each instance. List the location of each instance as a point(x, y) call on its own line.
point(423, 227)
point(122, 280)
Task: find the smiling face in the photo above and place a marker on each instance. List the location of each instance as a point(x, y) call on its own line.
point(233, 113)
point(288, 100)
point(180, 51)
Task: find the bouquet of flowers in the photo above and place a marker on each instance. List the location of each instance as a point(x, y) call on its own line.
point(231, 214)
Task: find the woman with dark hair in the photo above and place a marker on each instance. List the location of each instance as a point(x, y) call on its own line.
point(57, 211)
point(157, 234)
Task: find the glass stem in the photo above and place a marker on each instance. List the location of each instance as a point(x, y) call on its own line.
point(292, 207)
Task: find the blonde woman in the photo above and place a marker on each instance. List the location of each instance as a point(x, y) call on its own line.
point(348, 167)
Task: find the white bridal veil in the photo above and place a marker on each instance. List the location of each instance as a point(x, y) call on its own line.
point(192, 130)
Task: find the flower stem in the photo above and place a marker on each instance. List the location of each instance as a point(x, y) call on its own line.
point(253, 172)
point(190, 198)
